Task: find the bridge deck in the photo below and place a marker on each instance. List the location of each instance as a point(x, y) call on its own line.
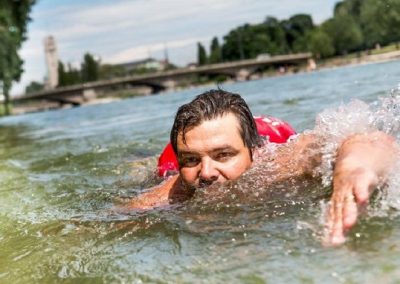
point(173, 74)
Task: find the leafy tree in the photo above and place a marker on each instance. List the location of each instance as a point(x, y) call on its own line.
point(34, 87)
point(345, 33)
point(62, 75)
point(277, 35)
point(348, 8)
point(249, 41)
point(380, 21)
point(232, 49)
point(73, 76)
point(90, 68)
point(319, 43)
point(68, 76)
point(108, 71)
point(271, 37)
point(201, 54)
point(296, 28)
point(215, 51)
point(14, 16)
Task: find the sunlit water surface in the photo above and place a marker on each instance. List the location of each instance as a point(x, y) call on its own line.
point(62, 171)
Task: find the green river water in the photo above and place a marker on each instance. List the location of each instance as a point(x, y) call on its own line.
point(62, 171)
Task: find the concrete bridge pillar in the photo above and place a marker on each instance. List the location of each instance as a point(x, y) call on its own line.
point(89, 95)
point(156, 88)
point(243, 75)
point(311, 64)
point(170, 84)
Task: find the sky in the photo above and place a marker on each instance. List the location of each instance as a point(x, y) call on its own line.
point(126, 30)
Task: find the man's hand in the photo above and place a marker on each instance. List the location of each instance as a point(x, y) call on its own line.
point(351, 191)
point(362, 161)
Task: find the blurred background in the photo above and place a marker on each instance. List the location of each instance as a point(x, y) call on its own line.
point(47, 44)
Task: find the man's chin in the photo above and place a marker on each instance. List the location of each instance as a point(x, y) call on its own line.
point(205, 185)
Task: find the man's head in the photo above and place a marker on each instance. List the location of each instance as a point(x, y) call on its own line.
point(213, 137)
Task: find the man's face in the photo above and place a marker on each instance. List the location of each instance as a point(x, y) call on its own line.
point(214, 152)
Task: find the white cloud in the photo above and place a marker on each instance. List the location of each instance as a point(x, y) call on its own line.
point(122, 30)
point(145, 51)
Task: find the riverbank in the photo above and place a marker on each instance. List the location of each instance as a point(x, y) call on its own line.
point(363, 58)
point(61, 171)
point(340, 61)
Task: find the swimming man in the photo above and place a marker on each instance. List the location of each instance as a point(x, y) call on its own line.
point(215, 140)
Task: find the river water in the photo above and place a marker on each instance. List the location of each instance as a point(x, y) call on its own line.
point(62, 171)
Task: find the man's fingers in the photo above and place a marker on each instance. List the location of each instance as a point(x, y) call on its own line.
point(363, 187)
point(350, 212)
point(345, 204)
point(362, 191)
point(336, 222)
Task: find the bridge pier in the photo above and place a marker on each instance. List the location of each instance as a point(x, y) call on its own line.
point(169, 84)
point(89, 95)
point(242, 70)
point(156, 88)
point(243, 75)
point(311, 64)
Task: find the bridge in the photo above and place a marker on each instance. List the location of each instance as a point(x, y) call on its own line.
point(159, 81)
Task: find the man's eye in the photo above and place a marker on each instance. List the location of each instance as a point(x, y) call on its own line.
point(224, 156)
point(189, 161)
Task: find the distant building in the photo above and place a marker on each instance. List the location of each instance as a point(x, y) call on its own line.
point(192, 65)
point(148, 63)
point(50, 50)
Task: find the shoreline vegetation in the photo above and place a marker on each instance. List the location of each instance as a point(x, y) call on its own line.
point(359, 32)
point(379, 55)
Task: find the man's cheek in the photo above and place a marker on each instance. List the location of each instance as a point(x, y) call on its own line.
point(188, 176)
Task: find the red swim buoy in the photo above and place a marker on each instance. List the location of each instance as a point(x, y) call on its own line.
point(278, 131)
point(167, 161)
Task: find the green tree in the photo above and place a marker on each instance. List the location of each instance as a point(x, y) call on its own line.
point(349, 8)
point(68, 76)
point(201, 54)
point(14, 16)
point(73, 76)
point(62, 75)
point(215, 51)
point(296, 28)
point(248, 41)
point(34, 87)
point(277, 35)
point(90, 68)
point(345, 33)
point(319, 43)
point(380, 21)
point(232, 49)
point(108, 71)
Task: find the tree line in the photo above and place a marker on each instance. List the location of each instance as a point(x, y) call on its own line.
point(90, 70)
point(70, 75)
point(14, 16)
point(356, 25)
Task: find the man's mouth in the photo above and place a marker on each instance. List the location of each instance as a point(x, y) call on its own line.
point(205, 183)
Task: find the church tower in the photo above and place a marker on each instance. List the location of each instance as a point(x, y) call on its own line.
point(50, 50)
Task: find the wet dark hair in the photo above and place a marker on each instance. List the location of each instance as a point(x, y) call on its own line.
point(213, 104)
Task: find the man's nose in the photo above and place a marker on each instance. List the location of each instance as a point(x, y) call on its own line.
point(208, 170)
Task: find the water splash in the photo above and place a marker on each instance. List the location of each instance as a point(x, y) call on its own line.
point(265, 186)
point(334, 125)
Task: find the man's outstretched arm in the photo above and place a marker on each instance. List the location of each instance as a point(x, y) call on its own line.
point(160, 195)
point(363, 161)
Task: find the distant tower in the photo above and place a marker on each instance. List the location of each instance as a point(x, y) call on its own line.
point(50, 50)
point(166, 57)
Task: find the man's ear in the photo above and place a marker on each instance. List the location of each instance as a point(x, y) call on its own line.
point(254, 154)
